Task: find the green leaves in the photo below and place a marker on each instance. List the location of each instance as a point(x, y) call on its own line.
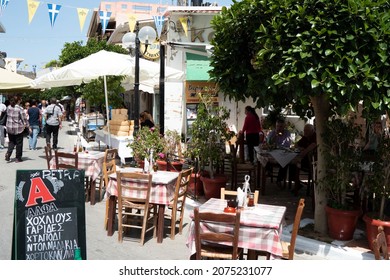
point(334, 47)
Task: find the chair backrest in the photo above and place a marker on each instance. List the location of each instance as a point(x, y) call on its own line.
point(109, 164)
point(216, 237)
point(48, 154)
point(379, 245)
point(233, 153)
point(227, 193)
point(294, 233)
point(131, 192)
point(71, 160)
point(182, 183)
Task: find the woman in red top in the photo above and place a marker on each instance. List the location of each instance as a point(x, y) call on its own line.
point(252, 130)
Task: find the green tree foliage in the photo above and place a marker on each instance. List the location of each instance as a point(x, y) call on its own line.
point(329, 54)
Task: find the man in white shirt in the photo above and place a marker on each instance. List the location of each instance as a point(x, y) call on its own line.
point(53, 114)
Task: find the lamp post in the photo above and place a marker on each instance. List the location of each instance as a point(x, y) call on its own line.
point(146, 35)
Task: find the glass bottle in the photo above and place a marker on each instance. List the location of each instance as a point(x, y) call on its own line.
point(77, 254)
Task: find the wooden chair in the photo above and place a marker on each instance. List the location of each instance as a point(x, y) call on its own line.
point(379, 245)
point(109, 167)
point(178, 202)
point(303, 175)
point(239, 168)
point(144, 211)
point(48, 154)
point(74, 157)
point(227, 193)
point(288, 247)
point(207, 243)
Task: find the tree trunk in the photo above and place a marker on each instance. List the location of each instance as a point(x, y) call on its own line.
point(321, 111)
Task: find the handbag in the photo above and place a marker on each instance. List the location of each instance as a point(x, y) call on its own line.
point(26, 131)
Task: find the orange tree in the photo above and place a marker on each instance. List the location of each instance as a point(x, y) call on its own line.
point(321, 56)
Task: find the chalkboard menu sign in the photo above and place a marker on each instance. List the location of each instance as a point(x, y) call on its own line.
point(49, 215)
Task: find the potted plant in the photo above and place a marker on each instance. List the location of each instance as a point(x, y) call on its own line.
point(342, 163)
point(169, 159)
point(376, 185)
point(210, 132)
point(145, 141)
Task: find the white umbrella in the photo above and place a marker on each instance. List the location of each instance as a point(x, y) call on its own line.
point(105, 63)
point(10, 80)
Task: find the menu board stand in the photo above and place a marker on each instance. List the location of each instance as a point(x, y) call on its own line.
point(49, 215)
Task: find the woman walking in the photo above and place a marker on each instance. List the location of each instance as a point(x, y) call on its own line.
point(16, 123)
point(252, 130)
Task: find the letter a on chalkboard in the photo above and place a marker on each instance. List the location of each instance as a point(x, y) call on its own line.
point(49, 215)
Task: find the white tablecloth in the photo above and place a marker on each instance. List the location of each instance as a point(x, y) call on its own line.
point(118, 142)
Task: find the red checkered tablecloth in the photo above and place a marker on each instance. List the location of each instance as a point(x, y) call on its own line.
point(260, 226)
point(163, 186)
point(91, 162)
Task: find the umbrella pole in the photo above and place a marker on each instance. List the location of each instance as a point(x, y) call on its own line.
point(107, 111)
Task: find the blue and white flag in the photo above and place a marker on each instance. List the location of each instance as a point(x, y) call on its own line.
point(104, 19)
point(54, 10)
point(3, 5)
point(159, 22)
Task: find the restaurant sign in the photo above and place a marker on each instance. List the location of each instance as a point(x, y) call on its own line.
point(192, 89)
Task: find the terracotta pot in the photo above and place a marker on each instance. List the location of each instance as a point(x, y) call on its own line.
point(175, 166)
point(141, 164)
point(212, 187)
point(372, 229)
point(342, 223)
point(196, 185)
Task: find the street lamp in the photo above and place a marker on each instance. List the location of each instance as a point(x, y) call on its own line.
point(146, 35)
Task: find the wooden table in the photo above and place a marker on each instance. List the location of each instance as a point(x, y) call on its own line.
point(260, 226)
point(162, 192)
point(280, 157)
point(92, 163)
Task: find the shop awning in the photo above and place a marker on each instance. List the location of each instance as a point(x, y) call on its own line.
point(197, 67)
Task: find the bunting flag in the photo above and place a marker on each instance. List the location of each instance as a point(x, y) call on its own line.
point(82, 13)
point(104, 19)
point(183, 22)
point(3, 5)
point(32, 7)
point(132, 22)
point(54, 10)
point(159, 22)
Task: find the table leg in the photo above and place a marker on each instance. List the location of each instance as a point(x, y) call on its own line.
point(261, 177)
point(160, 223)
point(111, 215)
point(92, 190)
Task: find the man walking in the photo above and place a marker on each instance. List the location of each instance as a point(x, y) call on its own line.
point(34, 119)
point(53, 122)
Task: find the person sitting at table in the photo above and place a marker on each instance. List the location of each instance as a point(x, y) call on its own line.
point(145, 120)
point(280, 137)
point(305, 145)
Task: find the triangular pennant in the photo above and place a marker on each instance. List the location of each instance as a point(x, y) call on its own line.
point(132, 22)
point(54, 10)
point(159, 22)
point(104, 19)
point(183, 22)
point(82, 13)
point(32, 7)
point(3, 5)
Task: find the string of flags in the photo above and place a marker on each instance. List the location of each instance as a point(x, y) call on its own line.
point(104, 16)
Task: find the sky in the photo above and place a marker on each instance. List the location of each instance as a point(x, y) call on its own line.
point(38, 42)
